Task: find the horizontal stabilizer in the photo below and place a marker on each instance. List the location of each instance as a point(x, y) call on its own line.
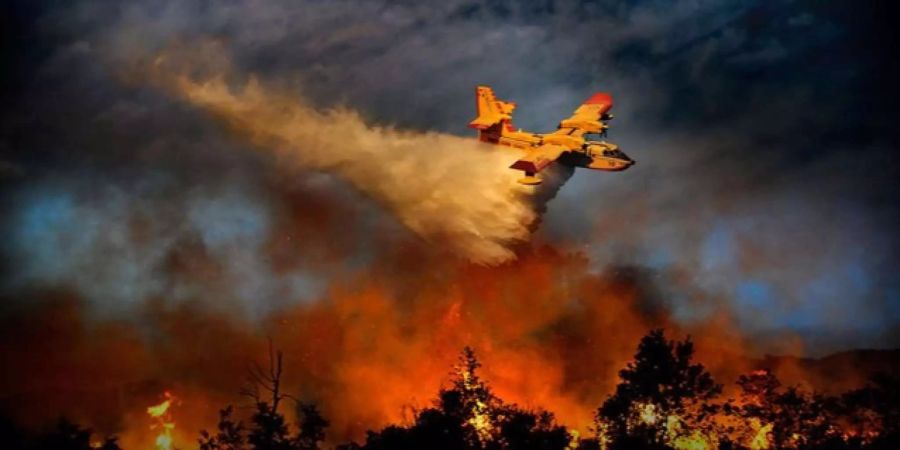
point(490, 110)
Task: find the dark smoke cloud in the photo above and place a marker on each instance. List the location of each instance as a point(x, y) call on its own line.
point(763, 132)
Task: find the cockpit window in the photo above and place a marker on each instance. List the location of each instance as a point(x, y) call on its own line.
point(616, 154)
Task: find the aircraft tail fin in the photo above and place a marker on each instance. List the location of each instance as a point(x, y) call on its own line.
point(491, 111)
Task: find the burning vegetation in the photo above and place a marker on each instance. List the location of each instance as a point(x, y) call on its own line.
point(663, 400)
point(163, 423)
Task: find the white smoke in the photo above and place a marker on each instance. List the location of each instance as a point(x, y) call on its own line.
point(450, 190)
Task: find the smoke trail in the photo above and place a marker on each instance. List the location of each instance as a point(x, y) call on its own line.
point(450, 190)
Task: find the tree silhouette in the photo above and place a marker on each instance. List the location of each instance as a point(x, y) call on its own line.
point(873, 412)
point(663, 401)
point(468, 416)
point(660, 384)
point(786, 417)
point(471, 401)
point(526, 430)
point(268, 428)
point(312, 427)
point(229, 437)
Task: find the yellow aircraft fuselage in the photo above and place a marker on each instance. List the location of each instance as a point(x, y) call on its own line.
point(567, 145)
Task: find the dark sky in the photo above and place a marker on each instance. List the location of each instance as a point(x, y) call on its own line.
point(765, 134)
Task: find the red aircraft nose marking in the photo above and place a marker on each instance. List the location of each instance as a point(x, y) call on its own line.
point(600, 97)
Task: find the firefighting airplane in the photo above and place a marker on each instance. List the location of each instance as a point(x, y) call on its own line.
point(567, 144)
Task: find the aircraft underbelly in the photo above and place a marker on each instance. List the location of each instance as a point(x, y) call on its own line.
point(587, 162)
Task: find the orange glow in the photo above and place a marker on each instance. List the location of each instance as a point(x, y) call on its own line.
point(549, 334)
point(163, 421)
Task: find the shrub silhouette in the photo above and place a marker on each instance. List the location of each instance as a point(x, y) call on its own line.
point(468, 415)
point(664, 400)
point(65, 435)
point(873, 413)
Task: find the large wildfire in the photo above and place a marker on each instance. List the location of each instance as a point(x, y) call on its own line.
point(548, 341)
point(548, 334)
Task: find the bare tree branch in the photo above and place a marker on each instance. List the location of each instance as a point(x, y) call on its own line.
point(268, 379)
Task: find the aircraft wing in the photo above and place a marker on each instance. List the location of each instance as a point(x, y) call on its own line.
point(538, 158)
point(588, 118)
